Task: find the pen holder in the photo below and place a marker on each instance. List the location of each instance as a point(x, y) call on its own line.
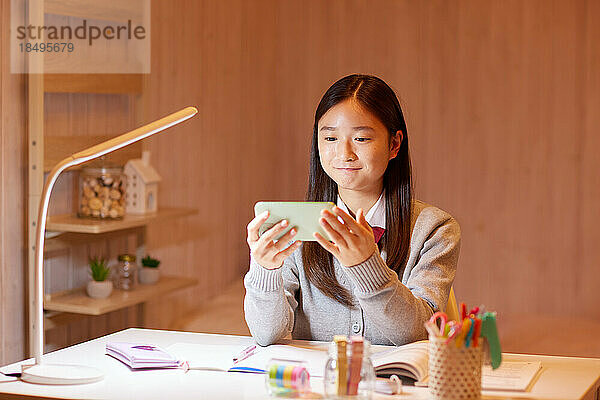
point(287, 378)
point(349, 374)
point(454, 372)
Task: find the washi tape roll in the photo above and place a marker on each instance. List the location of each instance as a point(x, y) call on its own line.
point(289, 377)
point(279, 376)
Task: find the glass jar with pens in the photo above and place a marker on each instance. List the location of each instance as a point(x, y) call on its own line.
point(349, 371)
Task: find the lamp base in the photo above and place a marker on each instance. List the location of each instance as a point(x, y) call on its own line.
point(55, 374)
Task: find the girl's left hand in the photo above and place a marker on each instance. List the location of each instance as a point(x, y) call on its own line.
point(353, 241)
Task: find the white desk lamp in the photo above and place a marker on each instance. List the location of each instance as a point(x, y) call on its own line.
point(56, 374)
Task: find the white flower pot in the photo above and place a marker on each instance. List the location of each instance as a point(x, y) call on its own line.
point(99, 290)
point(148, 275)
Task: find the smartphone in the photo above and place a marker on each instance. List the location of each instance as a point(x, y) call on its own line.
point(304, 215)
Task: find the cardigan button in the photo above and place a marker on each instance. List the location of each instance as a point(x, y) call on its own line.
point(355, 327)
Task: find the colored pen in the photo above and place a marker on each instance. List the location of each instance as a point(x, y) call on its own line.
point(476, 332)
point(463, 311)
point(461, 337)
point(489, 331)
point(470, 333)
point(247, 370)
point(12, 374)
point(247, 352)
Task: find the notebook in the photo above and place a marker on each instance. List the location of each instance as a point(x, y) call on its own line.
point(141, 355)
point(220, 357)
point(511, 375)
point(410, 360)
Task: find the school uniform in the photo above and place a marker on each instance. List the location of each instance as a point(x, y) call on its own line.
point(387, 309)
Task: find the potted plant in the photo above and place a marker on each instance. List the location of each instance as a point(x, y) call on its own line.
point(99, 287)
point(149, 273)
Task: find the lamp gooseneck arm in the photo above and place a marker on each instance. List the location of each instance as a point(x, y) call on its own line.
point(38, 307)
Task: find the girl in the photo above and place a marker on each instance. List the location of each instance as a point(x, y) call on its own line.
point(351, 285)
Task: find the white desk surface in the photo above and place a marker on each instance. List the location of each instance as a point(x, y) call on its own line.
point(561, 377)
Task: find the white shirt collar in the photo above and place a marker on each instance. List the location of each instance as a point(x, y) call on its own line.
point(376, 214)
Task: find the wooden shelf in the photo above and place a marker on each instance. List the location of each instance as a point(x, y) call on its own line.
point(57, 148)
point(72, 223)
point(94, 83)
point(78, 302)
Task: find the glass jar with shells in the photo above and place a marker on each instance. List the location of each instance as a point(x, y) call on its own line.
point(102, 191)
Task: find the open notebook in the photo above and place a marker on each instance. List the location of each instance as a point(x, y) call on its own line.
point(410, 362)
point(220, 357)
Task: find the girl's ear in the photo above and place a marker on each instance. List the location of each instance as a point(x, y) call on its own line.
point(395, 143)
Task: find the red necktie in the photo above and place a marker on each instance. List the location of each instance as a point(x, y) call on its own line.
point(378, 233)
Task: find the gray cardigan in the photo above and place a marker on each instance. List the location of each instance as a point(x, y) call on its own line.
point(282, 302)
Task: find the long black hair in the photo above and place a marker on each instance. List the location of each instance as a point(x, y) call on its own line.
point(374, 95)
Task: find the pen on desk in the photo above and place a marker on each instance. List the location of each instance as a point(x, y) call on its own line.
point(249, 370)
point(247, 352)
point(12, 374)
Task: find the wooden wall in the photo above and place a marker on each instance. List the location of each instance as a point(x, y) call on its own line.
point(501, 100)
point(13, 204)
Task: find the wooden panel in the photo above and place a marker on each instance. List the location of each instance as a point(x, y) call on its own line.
point(110, 10)
point(78, 302)
point(221, 314)
point(57, 148)
point(13, 203)
point(498, 99)
point(71, 223)
point(93, 83)
point(201, 172)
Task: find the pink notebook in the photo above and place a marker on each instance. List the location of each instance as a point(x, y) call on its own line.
point(141, 355)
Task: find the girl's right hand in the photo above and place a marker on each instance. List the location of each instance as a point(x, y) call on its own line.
point(267, 253)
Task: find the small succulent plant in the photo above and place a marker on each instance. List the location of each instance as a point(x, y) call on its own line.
point(150, 262)
point(99, 269)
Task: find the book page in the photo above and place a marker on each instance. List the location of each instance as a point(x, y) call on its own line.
point(412, 357)
point(511, 375)
point(315, 358)
point(215, 357)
